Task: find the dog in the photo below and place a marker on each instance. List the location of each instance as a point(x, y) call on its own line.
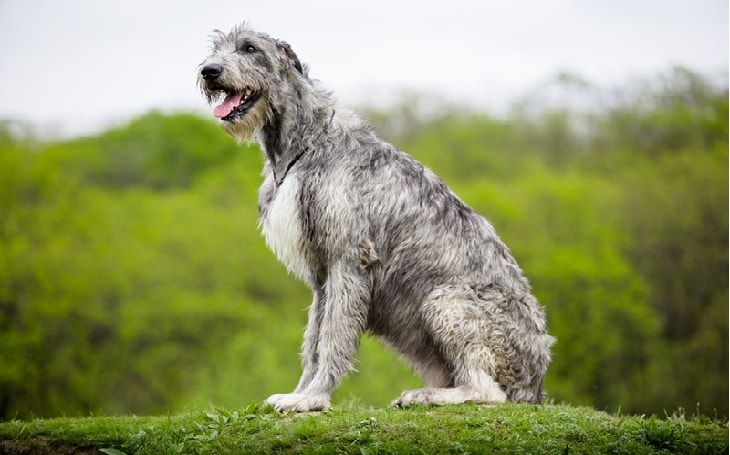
point(386, 247)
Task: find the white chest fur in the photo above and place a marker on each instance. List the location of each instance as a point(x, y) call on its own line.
point(282, 227)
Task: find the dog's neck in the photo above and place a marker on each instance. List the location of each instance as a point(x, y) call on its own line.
point(290, 135)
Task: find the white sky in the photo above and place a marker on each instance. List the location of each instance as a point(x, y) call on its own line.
point(75, 66)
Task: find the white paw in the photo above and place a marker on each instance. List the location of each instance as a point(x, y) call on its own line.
point(411, 397)
point(457, 395)
point(299, 402)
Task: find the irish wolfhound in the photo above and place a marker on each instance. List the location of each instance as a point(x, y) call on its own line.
point(385, 246)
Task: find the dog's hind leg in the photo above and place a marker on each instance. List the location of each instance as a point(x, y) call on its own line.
point(482, 389)
point(461, 326)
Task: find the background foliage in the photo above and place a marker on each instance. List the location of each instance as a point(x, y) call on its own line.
point(133, 278)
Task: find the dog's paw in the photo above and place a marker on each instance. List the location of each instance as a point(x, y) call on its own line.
point(453, 395)
point(413, 397)
point(299, 402)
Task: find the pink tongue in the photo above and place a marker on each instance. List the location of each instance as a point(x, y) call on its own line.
point(227, 105)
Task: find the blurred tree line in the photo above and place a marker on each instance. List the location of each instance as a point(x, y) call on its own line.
point(133, 278)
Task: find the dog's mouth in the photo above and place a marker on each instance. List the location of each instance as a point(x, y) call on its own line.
point(235, 104)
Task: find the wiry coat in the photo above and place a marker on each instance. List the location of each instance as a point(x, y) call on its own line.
point(383, 243)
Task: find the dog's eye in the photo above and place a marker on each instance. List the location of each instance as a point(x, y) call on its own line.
point(249, 49)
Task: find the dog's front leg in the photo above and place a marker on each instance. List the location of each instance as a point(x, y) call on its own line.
point(339, 318)
point(311, 340)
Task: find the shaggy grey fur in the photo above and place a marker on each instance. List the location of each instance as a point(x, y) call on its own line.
point(384, 245)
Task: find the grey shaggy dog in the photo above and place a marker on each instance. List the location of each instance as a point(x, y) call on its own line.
point(384, 245)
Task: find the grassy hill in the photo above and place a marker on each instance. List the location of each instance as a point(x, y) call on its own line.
point(134, 279)
point(510, 428)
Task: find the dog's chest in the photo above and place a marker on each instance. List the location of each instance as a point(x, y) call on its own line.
point(281, 223)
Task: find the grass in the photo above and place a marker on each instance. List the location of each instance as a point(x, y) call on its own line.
point(508, 428)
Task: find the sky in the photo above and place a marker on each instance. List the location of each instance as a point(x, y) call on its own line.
point(76, 66)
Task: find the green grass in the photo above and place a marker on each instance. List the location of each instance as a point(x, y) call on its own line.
point(508, 428)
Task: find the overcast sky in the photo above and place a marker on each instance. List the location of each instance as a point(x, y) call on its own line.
point(79, 65)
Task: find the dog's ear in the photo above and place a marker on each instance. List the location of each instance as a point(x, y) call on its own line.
point(289, 54)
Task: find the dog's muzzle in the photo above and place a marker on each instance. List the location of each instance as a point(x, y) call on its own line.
point(236, 102)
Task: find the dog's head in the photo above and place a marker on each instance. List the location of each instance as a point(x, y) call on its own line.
point(247, 75)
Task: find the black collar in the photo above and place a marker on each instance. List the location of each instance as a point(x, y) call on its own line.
point(294, 160)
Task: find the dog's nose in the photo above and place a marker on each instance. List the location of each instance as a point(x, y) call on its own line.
point(211, 71)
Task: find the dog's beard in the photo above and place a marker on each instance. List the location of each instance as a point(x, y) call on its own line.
point(241, 113)
point(243, 128)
